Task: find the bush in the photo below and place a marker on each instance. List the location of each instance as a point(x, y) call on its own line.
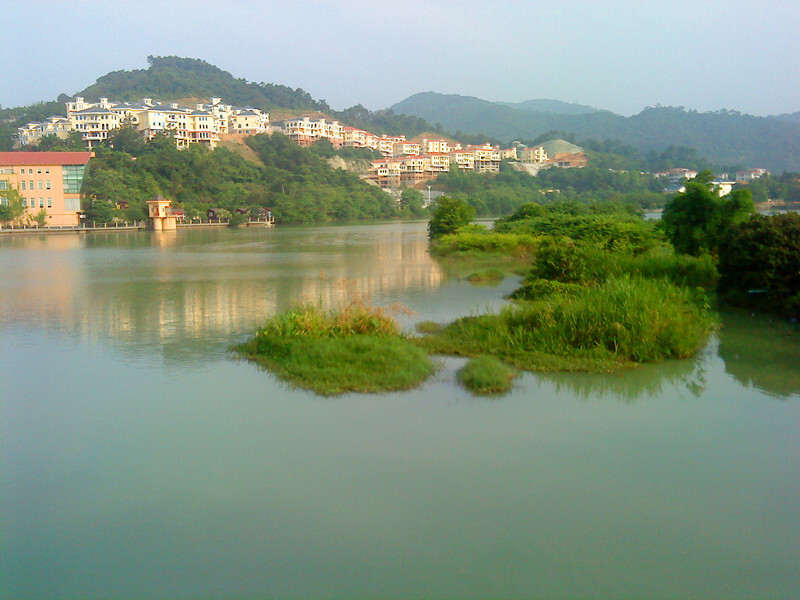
point(762, 255)
point(486, 375)
point(450, 214)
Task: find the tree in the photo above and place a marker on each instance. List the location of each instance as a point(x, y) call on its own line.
point(695, 219)
point(99, 211)
point(411, 202)
point(41, 218)
point(450, 214)
point(11, 208)
point(758, 263)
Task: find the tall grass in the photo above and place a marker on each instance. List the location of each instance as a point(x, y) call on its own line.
point(625, 320)
point(358, 347)
point(472, 243)
point(564, 261)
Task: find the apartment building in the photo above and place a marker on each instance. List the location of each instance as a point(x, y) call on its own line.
point(49, 181)
point(31, 133)
point(750, 174)
point(437, 146)
point(305, 131)
point(405, 148)
point(200, 124)
point(536, 155)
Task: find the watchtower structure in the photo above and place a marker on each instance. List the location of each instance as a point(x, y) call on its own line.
point(159, 213)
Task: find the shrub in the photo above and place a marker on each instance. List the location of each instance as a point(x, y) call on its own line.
point(486, 375)
point(450, 214)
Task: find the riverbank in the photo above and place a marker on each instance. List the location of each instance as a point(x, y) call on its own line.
point(124, 226)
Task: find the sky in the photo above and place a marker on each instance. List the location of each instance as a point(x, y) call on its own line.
point(621, 56)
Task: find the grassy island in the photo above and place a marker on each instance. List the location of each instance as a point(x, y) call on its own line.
point(604, 290)
point(358, 348)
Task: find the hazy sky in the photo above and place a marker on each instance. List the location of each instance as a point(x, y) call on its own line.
point(622, 56)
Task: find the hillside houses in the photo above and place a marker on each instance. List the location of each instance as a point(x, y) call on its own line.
point(203, 123)
point(404, 162)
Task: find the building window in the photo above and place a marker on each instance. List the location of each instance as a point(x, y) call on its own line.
point(41, 202)
point(49, 203)
point(22, 185)
point(24, 203)
point(40, 184)
point(31, 183)
point(47, 184)
point(3, 185)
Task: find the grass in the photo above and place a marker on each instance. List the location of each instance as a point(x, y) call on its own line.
point(491, 276)
point(486, 375)
point(357, 348)
point(625, 321)
point(477, 243)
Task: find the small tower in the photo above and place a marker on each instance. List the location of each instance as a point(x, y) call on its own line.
point(158, 210)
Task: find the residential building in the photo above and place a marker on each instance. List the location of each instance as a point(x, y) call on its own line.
point(405, 148)
point(750, 174)
point(305, 131)
point(536, 155)
point(32, 133)
point(49, 181)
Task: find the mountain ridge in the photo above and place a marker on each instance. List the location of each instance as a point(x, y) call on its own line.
point(723, 137)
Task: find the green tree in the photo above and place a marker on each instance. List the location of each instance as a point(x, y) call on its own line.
point(758, 263)
point(450, 214)
point(411, 202)
point(99, 211)
point(41, 218)
point(11, 208)
point(695, 219)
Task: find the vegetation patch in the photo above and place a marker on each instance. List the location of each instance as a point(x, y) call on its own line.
point(473, 243)
point(486, 375)
point(624, 321)
point(492, 276)
point(428, 327)
point(356, 348)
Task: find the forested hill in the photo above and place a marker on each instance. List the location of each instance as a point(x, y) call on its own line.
point(173, 77)
point(723, 137)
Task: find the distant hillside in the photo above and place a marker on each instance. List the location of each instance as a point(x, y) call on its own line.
point(173, 77)
point(792, 117)
point(722, 137)
point(556, 107)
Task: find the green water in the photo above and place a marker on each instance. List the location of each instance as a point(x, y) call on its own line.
point(139, 460)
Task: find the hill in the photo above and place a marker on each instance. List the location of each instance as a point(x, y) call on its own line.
point(556, 107)
point(173, 78)
point(722, 137)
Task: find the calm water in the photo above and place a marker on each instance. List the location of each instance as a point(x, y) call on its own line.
point(140, 461)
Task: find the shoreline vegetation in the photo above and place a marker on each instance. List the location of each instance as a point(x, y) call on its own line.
point(604, 290)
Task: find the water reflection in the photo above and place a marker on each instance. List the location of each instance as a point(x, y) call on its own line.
point(193, 292)
point(682, 378)
point(761, 352)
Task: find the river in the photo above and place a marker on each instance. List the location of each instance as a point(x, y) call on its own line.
point(141, 460)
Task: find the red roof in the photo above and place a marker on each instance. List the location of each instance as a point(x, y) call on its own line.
point(44, 158)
